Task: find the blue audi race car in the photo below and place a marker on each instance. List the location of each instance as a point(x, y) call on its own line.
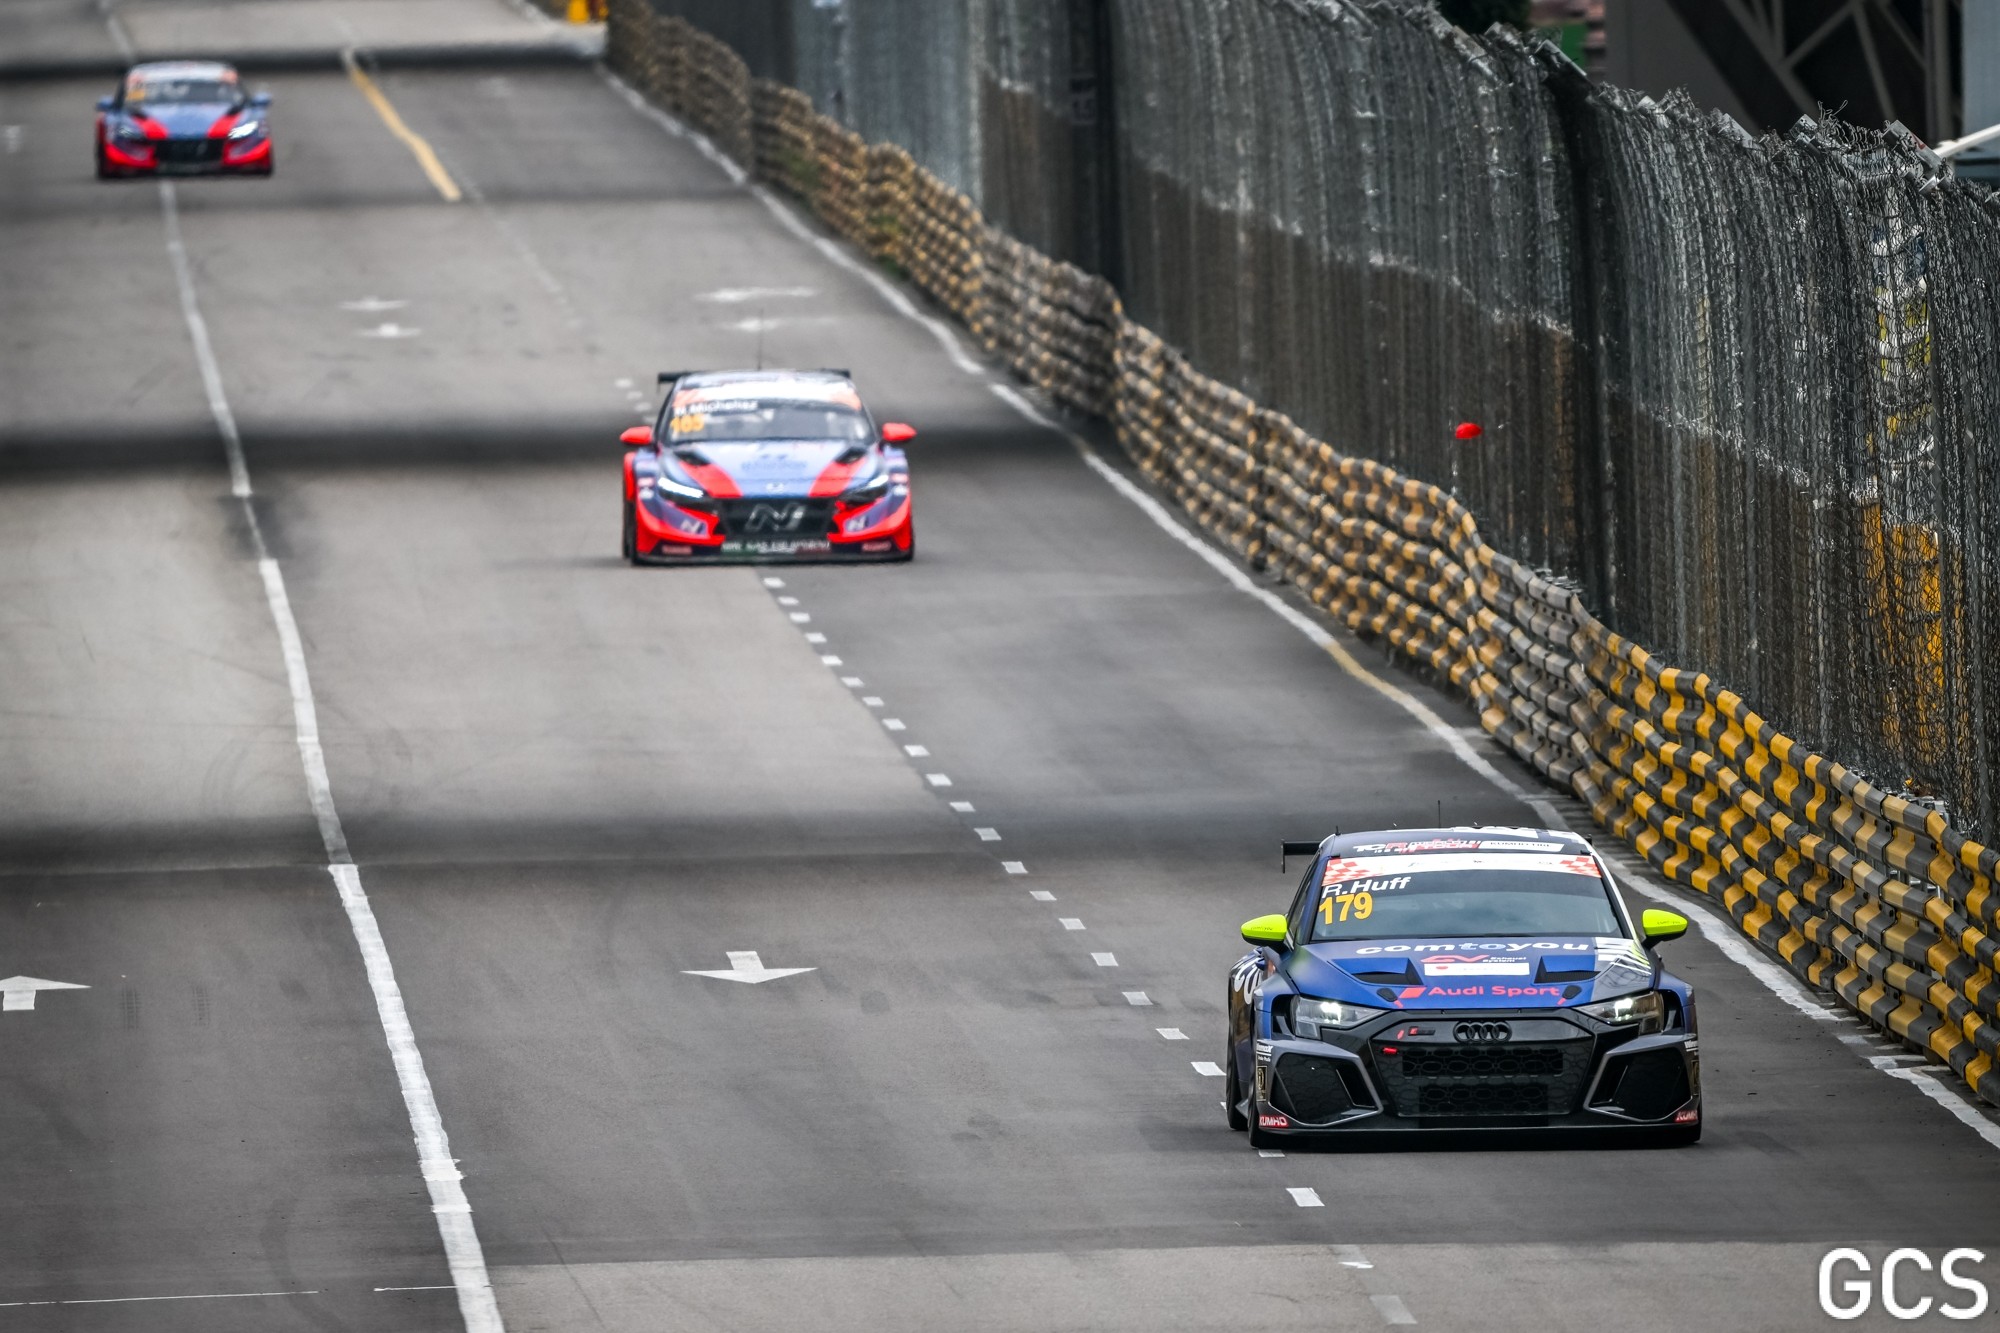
point(1460, 979)
point(766, 465)
point(185, 118)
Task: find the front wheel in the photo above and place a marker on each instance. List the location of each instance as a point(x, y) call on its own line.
point(631, 547)
point(1232, 1093)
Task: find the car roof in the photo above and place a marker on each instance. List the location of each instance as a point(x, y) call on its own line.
point(183, 69)
point(708, 379)
point(1459, 838)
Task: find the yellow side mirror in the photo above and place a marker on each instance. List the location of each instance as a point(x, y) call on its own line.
point(1265, 929)
point(1657, 927)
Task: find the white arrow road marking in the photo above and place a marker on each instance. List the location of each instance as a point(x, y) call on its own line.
point(747, 967)
point(375, 305)
point(388, 330)
point(20, 991)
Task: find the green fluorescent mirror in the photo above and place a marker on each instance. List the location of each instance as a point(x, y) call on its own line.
point(1271, 929)
point(1655, 925)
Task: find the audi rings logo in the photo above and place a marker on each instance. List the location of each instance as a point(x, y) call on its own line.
point(1483, 1032)
point(775, 517)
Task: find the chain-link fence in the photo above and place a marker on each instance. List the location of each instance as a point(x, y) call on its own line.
point(1739, 390)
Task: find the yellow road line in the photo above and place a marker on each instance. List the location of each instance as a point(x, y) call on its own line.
point(413, 141)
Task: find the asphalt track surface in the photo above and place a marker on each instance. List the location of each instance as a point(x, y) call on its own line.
point(568, 783)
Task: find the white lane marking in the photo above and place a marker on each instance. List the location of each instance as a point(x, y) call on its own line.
point(1392, 1310)
point(463, 1255)
point(769, 582)
point(1207, 1068)
point(389, 330)
point(872, 700)
point(1105, 959)
point(829, 661)
point(645, 414)
point(375, 305)
point(1303, 1197)
point(788, 601)
point(916, 752)
point(747, 967)
point(1041, 895)
point(894, 724)
point(443, 1288)
point(1269, 1152)
point(851, 682)
point(1015, 867)
point(1071, 922)
point(1291, 615)
point(986, 834)
point(737, 295)
point(13, 133)
point(1957, 1107)
point(937, 779)
point(799, 617)
point(203, 1296)
point(1137, 998)
point(1350, 1256)
point(815, 637)
point(963, 807)
point(637, 101)
point(1172, 1034)
point(19, 992)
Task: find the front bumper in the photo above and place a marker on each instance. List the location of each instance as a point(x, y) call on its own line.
point(187, 157)
point(1413, 1071)
point(762, 532)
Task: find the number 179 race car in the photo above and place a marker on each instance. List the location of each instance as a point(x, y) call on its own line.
point(1460, 978)
point(766, 465)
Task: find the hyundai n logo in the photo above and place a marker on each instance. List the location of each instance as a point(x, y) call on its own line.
point(1483, 1032)
point(775, 517)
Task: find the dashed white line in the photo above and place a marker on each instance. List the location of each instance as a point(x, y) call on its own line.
point(1014, 867)
point(1303, 1196)
point(1392, 1309)
point(851, 682)
point(1071, 922)
point(963, 807)
point(916, 752)
point(413, 1288)
point(1207, 1068)
point(937, 779)
point(788, 601)
point(815, 638)
point(204, 1296)
point(463, 1255)
point(1350, 1256)
point(894, 724)
point(769, 582)
point(800, 618)
point(1270, 1152)
point(987, 834)
point(1041, 895)
point(829, 661)
point(1105, 959)
point(1172, 1034)
point(1137, 997)
point(872, 700)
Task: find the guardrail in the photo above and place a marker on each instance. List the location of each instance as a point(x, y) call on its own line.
point(1865, 894)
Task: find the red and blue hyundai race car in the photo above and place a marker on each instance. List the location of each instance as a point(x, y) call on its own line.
point(183, 118)
point(1458, 979)
point(766, 465)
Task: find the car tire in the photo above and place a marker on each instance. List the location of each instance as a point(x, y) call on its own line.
point(631, 547)
point(1259, 1138)
point(1232, 1093)
point(103, 167)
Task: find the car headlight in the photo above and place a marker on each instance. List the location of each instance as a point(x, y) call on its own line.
point(130, 131)
point(246, 129)
point(679, 490)
point(1647, 1010)
point(868, 489)
point(1330, 1014)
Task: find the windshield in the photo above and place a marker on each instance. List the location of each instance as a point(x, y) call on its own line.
point(171, 92)
point(1462, 895)
point(702, 419)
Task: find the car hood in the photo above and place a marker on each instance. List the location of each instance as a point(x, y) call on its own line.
point(187, 120)
point(776, 467)
point(1519, 972)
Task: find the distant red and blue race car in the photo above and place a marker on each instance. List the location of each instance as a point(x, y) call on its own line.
point(183, 118)
point(761, 465)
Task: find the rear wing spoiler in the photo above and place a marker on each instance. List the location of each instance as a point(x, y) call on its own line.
point(1290, 848)
point(669, 376)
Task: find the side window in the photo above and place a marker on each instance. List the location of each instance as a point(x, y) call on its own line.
point(1301, 903)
